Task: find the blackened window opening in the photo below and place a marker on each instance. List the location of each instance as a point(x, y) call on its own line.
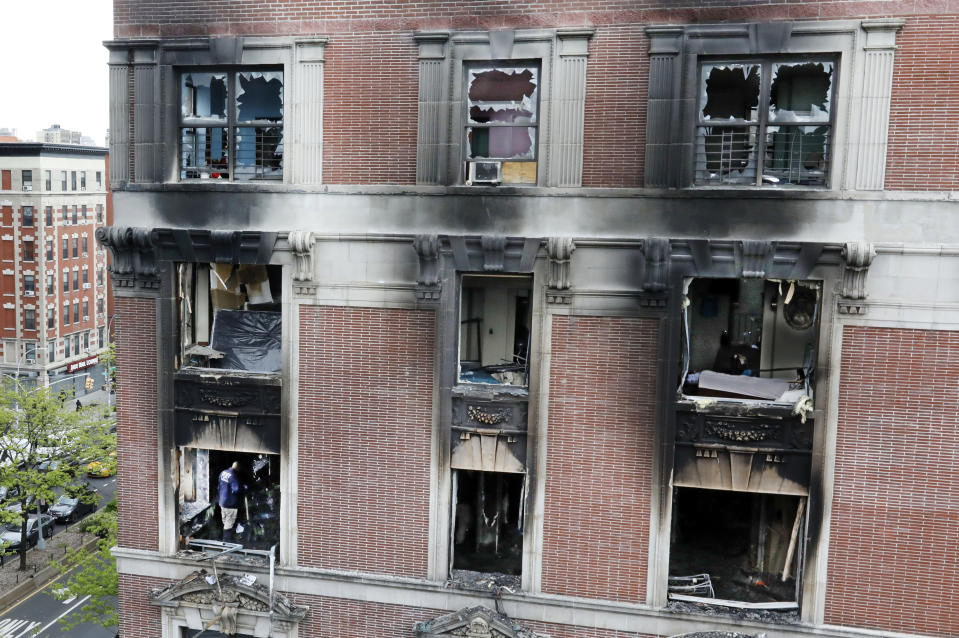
point(488, 522)
point(495, 328)
point(249, 502)
point(747, 546)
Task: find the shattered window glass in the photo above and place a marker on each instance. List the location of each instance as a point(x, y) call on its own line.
point(249, 145)
point(765, 123)
point(203, 97)
point(730, 92)
point(502, 111)
point(801, 92)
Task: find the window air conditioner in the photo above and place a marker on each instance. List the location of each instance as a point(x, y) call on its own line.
point(83, 188)
point(27, 293)
point(86, 286)
point(27, 187)
point(86, 318)
point(485, 173)
point(31, 361)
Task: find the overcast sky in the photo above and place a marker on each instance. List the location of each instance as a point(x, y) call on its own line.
point(55, 66)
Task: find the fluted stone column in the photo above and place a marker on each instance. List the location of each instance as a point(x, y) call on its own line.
point(119, 71)
point(308, 72)
point(569, 106)
point(663, 159)
point(432, 107)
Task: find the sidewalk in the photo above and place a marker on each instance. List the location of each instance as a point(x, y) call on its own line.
point(15, 584)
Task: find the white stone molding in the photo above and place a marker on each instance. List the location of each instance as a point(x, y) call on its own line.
point(857, 257)
point(559, 250)
point(303, 246)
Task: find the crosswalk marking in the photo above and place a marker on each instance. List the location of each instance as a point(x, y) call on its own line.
point(15, 628)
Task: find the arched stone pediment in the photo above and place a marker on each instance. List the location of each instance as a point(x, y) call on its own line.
point(473, 622)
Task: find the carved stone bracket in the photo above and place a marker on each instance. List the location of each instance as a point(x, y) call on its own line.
point(658, 252)
point(857, 257)
point(134, 259)
point(560, 251)
point(473, 622)
point(303, 245)
point(756, 256)
point(427, 249)
point(494, 252)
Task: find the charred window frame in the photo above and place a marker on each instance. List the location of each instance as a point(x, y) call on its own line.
point(487, 525)
point(765, 122)
point(751, 339)
point(501, 121)
point(494, 329)
point(231, 124)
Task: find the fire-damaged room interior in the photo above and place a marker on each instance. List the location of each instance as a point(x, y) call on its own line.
point(488, 521)
point(227, 400)
point(495, 320)
point(744, 432)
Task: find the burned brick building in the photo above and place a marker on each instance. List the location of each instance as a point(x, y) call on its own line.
point(536, 319)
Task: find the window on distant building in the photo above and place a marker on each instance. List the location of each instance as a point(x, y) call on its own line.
point(502, 107)
point(765, 122)
point(29, 284)
point(86, 310)
point(51, 281)
point(66, 282)
point(76, 343)
point(83, 180)
point(65, 253)
point(49, 250)
point(66, 215)
point(73, 180)
point(48, 180)
point(51, 353)
point(27, 177)
point(99, 305)
point(51, 318)
point(99, 213)
point(83, 246)
point(76, 247)
point(86, 275)
point(28, 216)
point(75, 216)
point(63, 180)
point(76, 314)
point(99, 276)
point(86, 340)
point(231, 125)
point(66, 314)
point(30, 351)
point(28, 251)
point(29, 319)
point(48, 215)
point(76, 280)
point(99, 180)
point(66, 347)
point(100, 332)
point(83, 212)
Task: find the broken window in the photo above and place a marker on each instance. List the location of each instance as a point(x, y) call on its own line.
point(765, 123)
point(502, 104)
point(230, 496)
point(231, 125)
point(230, 317)
point(488, 522)
point(495, 323)
point(751, 339)
point(736, 546)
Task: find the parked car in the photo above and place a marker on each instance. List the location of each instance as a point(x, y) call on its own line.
point(10, 534)
point(68, 509)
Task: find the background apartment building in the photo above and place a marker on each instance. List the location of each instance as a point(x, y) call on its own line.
point(572, 319)
point(54, 282)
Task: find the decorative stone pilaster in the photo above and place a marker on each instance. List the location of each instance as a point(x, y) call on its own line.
point(427, 249)
point(146, 125)
point(857, 257)
point(134, 258)
point(306, 166)
point(119, 71)
point(433, 106)
point(569, 107)
point(303, 245)
point(559, 251)
point(872, 111)
point(663, 161)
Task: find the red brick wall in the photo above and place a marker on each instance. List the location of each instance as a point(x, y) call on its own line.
point(365, 419)
point(598, 465)
point(571, 631)
point(338, 618)
point(138, 618)
point(923, 136)
point(893, 556)
point(137, 423)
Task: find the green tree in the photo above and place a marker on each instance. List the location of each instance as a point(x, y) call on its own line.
point(36, 427)
point(93, 572)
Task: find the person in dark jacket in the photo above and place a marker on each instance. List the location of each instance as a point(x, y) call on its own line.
point(229, 497)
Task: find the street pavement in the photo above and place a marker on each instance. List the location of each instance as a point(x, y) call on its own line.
point(39, 614)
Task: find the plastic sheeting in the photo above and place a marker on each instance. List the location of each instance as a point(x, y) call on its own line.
point(249, 340)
